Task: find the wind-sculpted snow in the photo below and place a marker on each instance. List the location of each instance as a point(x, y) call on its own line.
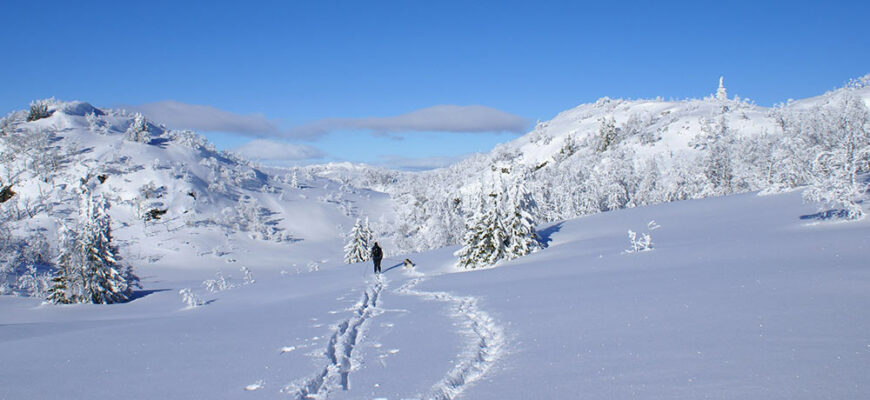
point(339, 351)
point(485, 346)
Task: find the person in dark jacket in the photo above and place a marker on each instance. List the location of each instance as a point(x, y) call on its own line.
point(377, 256)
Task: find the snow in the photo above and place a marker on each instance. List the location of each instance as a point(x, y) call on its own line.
point(743, 297)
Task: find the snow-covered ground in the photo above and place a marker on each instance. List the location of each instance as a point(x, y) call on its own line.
point(743, 296)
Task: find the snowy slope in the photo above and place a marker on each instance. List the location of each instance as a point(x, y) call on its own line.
point(217, 205)
point(615, 154)
point(742, 297)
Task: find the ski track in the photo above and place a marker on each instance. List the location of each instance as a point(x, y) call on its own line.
point(482, 351)
point(340, 350)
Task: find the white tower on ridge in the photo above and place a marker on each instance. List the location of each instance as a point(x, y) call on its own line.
point(721, 94)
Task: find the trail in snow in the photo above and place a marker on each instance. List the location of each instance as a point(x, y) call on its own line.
point(482, 351)
point(340, 350)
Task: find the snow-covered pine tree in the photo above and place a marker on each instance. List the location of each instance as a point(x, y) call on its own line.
point(367, 231)
point(483, 243)
point(138, 130)
point(608, 134)
point(357, 249)
point(519, 225)
point(88, 270)
point(67, 280)
point(107, 281)
point(721, 93)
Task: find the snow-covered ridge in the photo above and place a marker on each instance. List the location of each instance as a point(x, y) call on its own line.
point(616, 153)
point(162, 186)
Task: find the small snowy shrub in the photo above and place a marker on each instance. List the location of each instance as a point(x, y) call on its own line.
point(218, 284)
point(642, 243)
point(189, 298)
point(96, 124)
point(249, 277)
point(38, 110)
point(138, 130)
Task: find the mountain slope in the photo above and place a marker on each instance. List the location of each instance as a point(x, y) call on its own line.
point(742, 296)
point(172, 194)
point(615, 154)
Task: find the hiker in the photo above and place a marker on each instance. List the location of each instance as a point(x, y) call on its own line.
point(377, 256)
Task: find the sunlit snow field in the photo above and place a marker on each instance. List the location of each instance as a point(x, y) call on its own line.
point(743, 296)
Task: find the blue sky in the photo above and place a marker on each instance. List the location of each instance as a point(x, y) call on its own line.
point(376, 81)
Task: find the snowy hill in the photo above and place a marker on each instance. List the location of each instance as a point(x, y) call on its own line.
point(615, 154)
point(172, 194)
point(742, 297)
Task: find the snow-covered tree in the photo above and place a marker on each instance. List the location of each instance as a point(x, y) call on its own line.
point(502, 228)
point(248, 275)
point(836, 171)
point(608, 134)
point(189, 298)
point(483, 243)
point(721, 93)
point(219, 283)
point(638, 244)
point(715, 142)
point(834, 140)
point(138, 130)
point(39, 110)
point(519, 224)
point(87, 268)
point(67, 281)
point(357, 248)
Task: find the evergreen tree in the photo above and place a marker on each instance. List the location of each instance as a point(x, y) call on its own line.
point(502, 228)
point(484, 242)
point(138, 130)
point(67, 280)
point(519, 226)
point(88, 270)
point(608, 134)
point(721, 93)
point(357, 249)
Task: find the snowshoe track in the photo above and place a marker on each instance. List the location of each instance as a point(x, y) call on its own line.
point(482, 351)
point(339, 351)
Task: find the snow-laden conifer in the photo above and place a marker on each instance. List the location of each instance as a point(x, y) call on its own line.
point(67, 281)
point(503, 227)
point(483, 243)
point(357, 248)
point(519, 224)
point(138, 130)
point(87, 269)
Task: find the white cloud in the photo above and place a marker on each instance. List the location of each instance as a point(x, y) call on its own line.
point(441, 118)
point(198, 117)
point(268, 150)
